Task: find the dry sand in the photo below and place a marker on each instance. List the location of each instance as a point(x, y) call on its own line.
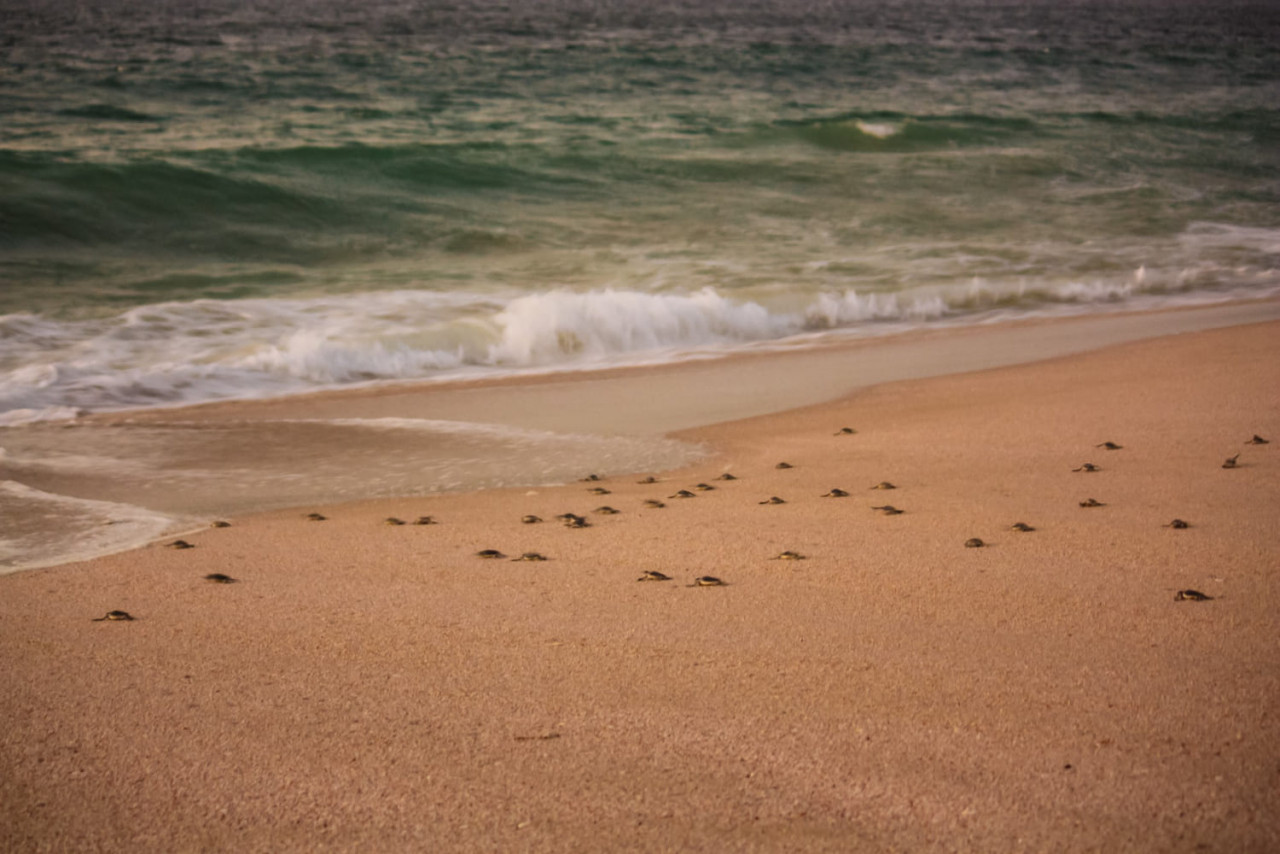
point(373, 687)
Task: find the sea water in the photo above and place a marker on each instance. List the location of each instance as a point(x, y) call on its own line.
point(229, 199)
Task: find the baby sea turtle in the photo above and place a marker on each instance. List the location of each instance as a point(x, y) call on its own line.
point(788, 555)
point(606, 510)
point(1088, 467)
point(534, 556)
point(784, 466)
point(591, 478)
point(1258, 440)
point(845, 431)
point(219, 578)
point(1092, 502)
point(1110, 446)
point(1230, 463)
point(1191, 596)
point(707, 581)
point(974, 543)
point(572, 521)
point(884, 484)
point(726, 476)
point(220, 523)
point(316, 517)
point(392, 520)
point(889, 510)
point(179, 544)
point(684, 493)
point(598, 490)
point(1021, 526)
point(531, 519)
point(654, 503)
point(836, 493)
point(649, 479)
point(426, 520)
point(490, 554)
point(653, 575)
point(114, 615)
point(1178, 523)
point(704, 487)
point(774, 500)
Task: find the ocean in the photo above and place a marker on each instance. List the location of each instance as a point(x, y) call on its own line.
point(226, 199)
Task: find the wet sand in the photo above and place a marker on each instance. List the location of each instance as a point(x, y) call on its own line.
point(366, 686)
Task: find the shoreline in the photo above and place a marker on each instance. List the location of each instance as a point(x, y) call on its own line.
point(226, 459)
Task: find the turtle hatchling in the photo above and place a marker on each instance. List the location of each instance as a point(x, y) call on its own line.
point(889, 510)
point(572, 521)
point(707, 581)
point(653, 575)
point(1088, 467)
point(426, 520)
point(220, 523)
point(606, 510)
point(316, 517)
point(836, 493)
point(974, 543)
point(884, 484)
point(114, 615)
point(784, 466)
point(533, 556)
point(598, 490)
point(684, 493)
point(846, 431)
point(1191, 596)
point(1178, 523)
point(531, 519)
point(591, 478)
point(1230, 463)
point(1258, 440)
point(1021, 526)
point(774, 500)
point(392, 520)
point(219, 578)
point(179, 544)
point(654, 503)
point(1110, 446)
point(704, 487)
point(788, 555)
point(649, 479)
point(490, 554)
point(1092, 502)
point(727, 476)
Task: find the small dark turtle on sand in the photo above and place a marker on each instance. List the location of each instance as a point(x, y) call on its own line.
point(114, 615)
point(426, 520)
point(788, 555)
point(1021, 526)
point(684, 493)
point(219, 578)
point(1092, 502)
point(220, 523)
point(707, 581)
point(606, 510)
point(649, 479)
point(974, 543)
point(572, 521)
point(653, 575)
point(704, 487)
point(490, 554)
point(836, 493)
point(591, 478)
point(1258, 440)
point(774, 500)
point(727, 476)
point(531, 519)
point(1110, 446)
point(179, 544)
point(598, 490)
point(845, 431)
point(1088, 467)
point(1178, 523)
point(534, 556)
point(884, 484)
point(1191, 596)
point(889, 510)
point(392, 520)
point(316, 517)
point(1230, 463)
point(654, 503)
point(784, 466)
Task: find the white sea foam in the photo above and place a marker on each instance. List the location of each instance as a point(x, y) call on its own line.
point(175, 353)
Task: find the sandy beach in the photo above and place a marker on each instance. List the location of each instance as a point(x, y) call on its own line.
point(366, 686)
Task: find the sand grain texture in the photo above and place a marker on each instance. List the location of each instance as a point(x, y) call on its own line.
point(375, 687)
